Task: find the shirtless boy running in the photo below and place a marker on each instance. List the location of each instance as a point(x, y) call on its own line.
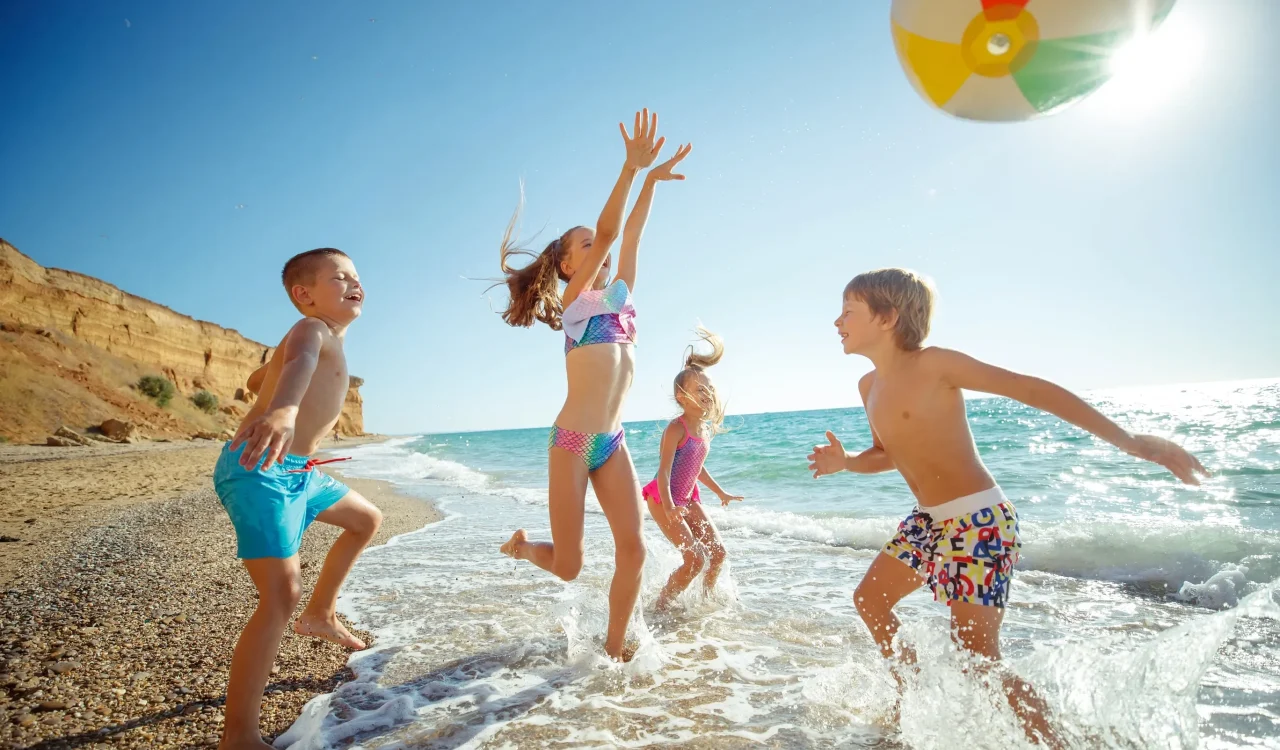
point(962, 537)
point(272, 490)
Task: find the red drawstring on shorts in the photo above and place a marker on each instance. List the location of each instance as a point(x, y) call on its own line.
point(312, 463)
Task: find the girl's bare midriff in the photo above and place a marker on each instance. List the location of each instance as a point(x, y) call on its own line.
point(599, 378)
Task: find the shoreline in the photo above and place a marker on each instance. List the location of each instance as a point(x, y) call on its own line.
point(121, 605)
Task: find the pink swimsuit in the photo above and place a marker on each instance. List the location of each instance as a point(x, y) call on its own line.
point(685, 468)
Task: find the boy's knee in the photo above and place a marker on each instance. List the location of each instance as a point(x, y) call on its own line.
point(366, 523)
point(282, 597)
point(869, 604)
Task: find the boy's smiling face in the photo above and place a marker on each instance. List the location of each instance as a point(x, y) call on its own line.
point(335, 293)
point(858, 327)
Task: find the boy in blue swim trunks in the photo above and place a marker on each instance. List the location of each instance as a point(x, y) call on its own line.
point(961, 540)
point(272, 490)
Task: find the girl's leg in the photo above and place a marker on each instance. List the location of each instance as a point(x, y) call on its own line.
point(679, 534)
point(887, 581)
point(705, 532)
point(977, 629)
point(619, 493)
point(566, 496)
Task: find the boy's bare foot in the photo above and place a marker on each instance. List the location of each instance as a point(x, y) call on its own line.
point(247, 744)
point(513, 544)
point(326, 629)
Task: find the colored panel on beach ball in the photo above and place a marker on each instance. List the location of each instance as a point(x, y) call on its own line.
point(1048, 53)
point(941, 21)
point(936, 69)
point(991, 99)
point(1064, 70)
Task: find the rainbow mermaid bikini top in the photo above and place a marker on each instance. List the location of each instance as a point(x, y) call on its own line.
point(600, 316)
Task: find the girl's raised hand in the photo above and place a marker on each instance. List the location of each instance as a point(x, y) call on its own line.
point(663, 171)
point(642, 150)
point(726, 498)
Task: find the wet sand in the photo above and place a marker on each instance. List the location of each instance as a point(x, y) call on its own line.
point(121, 601)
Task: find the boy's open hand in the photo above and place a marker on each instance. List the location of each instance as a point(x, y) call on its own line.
point(662, 172)
point(269, 435)
point(1169, 455)
point(828, 459)
point(642, 150)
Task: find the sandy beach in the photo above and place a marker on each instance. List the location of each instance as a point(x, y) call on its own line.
point(121, 598)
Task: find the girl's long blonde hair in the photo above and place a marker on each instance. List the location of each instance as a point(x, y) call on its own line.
point(697, 363)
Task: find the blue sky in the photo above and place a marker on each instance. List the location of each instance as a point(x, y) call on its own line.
point(183, 151)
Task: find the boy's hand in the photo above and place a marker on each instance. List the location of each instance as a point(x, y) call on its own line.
point(828, 459)
point(663, 172)
point(726, 498)
point(642, 150)
point(1169, 455)
point(269, 436)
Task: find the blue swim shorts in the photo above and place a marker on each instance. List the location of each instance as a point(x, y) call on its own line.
point(271, 507)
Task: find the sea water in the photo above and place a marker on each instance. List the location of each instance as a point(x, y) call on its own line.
point(1144, 612)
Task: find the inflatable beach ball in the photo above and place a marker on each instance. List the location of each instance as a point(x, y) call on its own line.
point(1005, 60)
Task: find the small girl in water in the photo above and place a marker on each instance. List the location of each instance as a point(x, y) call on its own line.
point(673, 494)
point(598, 319)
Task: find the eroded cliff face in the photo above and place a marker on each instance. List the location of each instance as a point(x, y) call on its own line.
point(82, 319)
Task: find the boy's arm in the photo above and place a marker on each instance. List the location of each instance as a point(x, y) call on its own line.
point(270, 434)
point(962, 371)
point(705, 477)
point(833, 458)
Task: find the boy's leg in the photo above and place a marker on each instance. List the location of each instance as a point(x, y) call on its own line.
point(887, 581)
point(279, 584)
point(705, 532)
point(678, 533)
point(976, 628)
point(618, 491)
point(359, 520)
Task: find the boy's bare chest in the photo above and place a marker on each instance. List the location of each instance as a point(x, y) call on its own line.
point(900, 408)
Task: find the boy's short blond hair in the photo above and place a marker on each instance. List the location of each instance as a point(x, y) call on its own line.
point(897, 289)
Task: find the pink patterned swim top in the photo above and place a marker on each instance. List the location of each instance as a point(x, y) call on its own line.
point(600, 316)
point(685, 468)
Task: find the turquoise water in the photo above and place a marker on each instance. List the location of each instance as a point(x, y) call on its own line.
point(1143, 610)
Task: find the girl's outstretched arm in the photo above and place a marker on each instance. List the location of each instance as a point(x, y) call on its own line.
point(962, 371)
point(641, 151)
point(705, 477)
point(627, 257)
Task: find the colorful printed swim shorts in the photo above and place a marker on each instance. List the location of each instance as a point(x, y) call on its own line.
point(968, 557)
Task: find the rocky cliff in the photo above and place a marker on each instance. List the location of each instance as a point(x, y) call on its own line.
point(88, 340)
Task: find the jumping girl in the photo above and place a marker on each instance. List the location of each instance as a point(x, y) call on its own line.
point(599, 324)
point(673, 495)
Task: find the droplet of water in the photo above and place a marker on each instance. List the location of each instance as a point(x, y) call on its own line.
point(999, 44)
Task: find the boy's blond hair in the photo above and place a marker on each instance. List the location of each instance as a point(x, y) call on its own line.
point(897, 289)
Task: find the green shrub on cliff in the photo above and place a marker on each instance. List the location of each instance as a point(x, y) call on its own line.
point(205, 402)
point(158, 388)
